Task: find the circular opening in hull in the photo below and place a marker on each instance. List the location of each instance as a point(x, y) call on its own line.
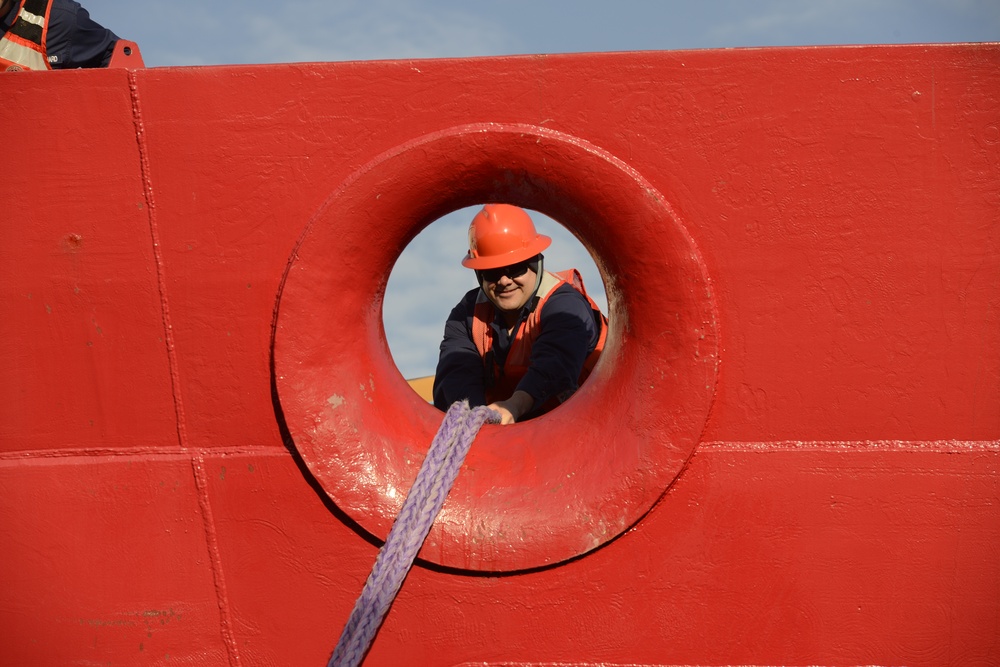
point(428, 279)
point(535, 493)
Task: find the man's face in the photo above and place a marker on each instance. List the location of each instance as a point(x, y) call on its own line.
point(510, 287)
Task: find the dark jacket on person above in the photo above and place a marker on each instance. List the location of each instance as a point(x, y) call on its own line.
point(53, 34)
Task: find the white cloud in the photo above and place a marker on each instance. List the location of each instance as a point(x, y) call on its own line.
point(770, 20)
point(794, 22)
point(185, 32)
point(310, 31)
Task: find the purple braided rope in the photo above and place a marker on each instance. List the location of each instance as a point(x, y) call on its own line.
point(374, 592)
point(423, 503)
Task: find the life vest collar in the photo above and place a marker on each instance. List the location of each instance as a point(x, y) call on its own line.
point(22, 47)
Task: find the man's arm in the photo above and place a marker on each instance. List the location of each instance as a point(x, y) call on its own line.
point(459, 373)
point(515, 407)
point(76, 40)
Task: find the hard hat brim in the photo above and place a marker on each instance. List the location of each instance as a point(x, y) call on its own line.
point(538, 244)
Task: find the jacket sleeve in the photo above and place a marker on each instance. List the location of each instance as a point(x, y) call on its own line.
point(568, 334)
point(76, 40)
point(459, 373)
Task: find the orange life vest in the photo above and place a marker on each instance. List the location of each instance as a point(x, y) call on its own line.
point(516, 364)
point(23, 46)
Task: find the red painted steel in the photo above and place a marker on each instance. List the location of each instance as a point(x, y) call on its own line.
point(362, 454)
point(126, 54)
point(832, 497)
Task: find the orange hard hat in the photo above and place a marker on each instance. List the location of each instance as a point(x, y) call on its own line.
point(501, 235)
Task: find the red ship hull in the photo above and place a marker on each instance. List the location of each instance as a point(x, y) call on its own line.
point(788, 456)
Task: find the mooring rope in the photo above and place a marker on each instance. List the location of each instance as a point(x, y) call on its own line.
point(423, 502)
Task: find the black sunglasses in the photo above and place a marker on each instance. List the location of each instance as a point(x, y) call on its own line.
point(512, 271)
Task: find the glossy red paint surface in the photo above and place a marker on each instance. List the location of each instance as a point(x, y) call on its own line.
point(832, 497)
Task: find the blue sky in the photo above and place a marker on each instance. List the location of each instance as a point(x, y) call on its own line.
point(190, 32)
point(222, 32)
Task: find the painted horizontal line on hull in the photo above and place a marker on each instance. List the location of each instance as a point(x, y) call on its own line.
point(162, 453)
point(938, 446)
point(602, 664)
point(843, 446)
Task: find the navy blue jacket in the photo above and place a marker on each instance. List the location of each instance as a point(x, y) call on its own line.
point(73, 39)
point(570, 331)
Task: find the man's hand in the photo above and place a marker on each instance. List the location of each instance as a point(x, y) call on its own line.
point(514, 407)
